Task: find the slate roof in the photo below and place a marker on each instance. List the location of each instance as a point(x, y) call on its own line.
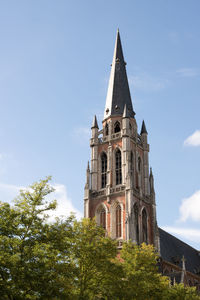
point(118, 89)
point(173, 249)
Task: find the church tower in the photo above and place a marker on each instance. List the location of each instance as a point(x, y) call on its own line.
point(119, 188)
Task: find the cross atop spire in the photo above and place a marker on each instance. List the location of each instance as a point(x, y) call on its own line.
point(118, 89)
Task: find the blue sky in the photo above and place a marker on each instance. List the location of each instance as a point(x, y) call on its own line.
point(55, 61)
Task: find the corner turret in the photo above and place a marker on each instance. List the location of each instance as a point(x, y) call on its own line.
point(151, 182)
point(86, 192)
point(94, 128)
point(144, 133)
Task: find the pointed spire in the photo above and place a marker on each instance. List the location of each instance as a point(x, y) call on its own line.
point(183, 273)
point(151, 182)
point(87, 176)
point(143, 129)
point(94, 123)
point(125, 113)
point(174, 283)
point(183, 263)
point(118, 89)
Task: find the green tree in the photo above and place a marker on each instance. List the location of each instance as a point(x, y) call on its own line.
point(180, 292)
point(34, 255)
point(97, 275)
point(143, 281)
point(67, 259)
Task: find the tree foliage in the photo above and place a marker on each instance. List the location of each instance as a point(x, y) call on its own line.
point(143, 281)
point(34, 254)
point(67, 259)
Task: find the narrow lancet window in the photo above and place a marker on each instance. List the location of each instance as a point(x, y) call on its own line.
point(117, 127)
point(144, 226)
point(136, 225)
point(106, 129)
point(118, 222)
point(139, 164)
point(131, 164)
point(103, 218)
point(138, 177)
point(118, 167)
point(103, 170)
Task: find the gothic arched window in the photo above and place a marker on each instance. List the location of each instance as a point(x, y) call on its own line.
point(106, 129)
point(118, 167)
point(131, 165)
point(136, 225)
point(118, 221)
point(138, 177)
point(103, 218)
point(117, 127)
point(103, 169)
point(139, 164)
point(144, 226)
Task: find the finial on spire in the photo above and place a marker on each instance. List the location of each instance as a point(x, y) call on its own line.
point(183, 263)
point(174, 280)
point(151, 173)
point(183, 273)
point(151, 182)
point(94, 123)
point(143, 129)
point(151, 177)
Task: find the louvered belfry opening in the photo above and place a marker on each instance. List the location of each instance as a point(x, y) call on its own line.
point(118, 167)
point(103, 170)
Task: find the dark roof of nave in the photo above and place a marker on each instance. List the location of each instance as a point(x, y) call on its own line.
point(173, 249)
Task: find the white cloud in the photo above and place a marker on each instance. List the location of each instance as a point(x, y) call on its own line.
point(189, 211)
point(190, 208)
point(148, 83)
point(8, 192)
point(193, 140)
point(65, 206)
point(189, 234)
point(187, 72)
